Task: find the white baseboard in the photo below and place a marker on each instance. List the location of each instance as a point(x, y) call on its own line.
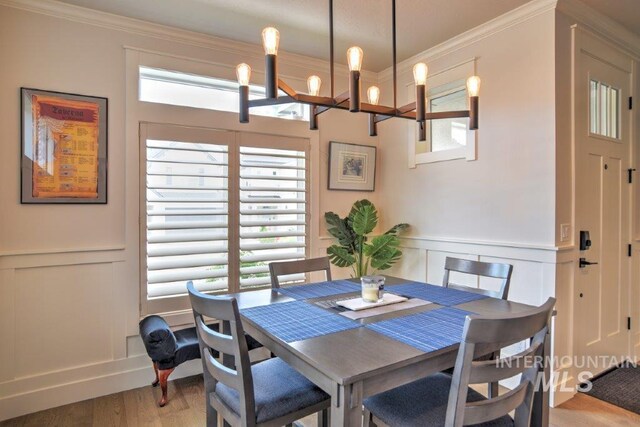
point(62, 394)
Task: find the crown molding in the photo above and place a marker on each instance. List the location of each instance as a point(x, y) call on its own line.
point(489, 28)
point(601, 25)
point(139, 27)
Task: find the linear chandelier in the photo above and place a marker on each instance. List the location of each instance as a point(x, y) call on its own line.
point(349, 100)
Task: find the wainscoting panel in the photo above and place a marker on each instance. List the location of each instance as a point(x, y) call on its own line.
point(63, 317)
point(526, 280)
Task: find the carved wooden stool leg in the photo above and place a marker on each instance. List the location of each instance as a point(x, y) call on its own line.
point(155, 369)
point(164, 377)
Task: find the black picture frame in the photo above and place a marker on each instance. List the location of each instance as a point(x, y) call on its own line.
point(352, 167)
point(70, 195)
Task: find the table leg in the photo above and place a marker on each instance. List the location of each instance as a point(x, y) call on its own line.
point(346, 405)
point(540, 410)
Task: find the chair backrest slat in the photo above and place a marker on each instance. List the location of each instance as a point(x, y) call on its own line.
point(506, 329)
point(230, 341)
point(478, 268)
point(487, 410)
point(221, 373)
point(496, 332)
point(214, 339)
point(285, 268)
point(487, 371)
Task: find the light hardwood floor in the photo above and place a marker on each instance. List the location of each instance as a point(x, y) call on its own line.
point(186, 408)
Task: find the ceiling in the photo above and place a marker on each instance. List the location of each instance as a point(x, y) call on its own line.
point(304, 24)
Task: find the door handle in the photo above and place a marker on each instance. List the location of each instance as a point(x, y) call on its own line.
point(583, 263)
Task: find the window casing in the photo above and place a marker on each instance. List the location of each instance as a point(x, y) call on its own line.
point(218, 207)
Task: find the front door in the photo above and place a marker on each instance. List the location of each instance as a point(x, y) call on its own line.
point(602, 150)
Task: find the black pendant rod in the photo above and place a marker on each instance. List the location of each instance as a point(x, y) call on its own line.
point(395, 71)
point(333, 95)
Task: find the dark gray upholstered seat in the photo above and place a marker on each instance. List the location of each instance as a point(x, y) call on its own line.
point(427, 405)
point(279, 390)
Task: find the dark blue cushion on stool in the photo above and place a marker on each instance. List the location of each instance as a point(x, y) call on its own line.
point(158, 338)
point(279, 390)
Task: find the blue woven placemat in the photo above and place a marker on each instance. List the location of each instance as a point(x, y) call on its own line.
point(297, 320)
point(438, 294)
point(322, 289)
point(426, 331)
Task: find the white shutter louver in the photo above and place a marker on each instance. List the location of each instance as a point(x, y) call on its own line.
point(187, 186)
point(273, 211)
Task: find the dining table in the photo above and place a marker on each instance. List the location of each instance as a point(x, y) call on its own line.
point(352, 355)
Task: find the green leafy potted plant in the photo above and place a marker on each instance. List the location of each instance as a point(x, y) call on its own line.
point(355, 249)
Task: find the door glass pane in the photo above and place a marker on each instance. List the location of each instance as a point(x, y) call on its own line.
point(614, 113)
point(604, 109)
point(593, 106)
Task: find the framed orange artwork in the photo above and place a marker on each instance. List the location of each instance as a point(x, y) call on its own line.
point(64, 148)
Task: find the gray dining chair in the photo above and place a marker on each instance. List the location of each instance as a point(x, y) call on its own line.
point(277, 269)
point(445, 400)
point(485, 269)
point(269, 393)
point(478, 268)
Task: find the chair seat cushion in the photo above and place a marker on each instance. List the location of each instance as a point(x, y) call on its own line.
point(279, 390)
point(422, 403)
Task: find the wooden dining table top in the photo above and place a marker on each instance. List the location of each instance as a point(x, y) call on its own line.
point(355, 353)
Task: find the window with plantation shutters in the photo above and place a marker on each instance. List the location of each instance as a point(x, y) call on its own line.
point(273, 195)
point(187, 216)
point(219, 206)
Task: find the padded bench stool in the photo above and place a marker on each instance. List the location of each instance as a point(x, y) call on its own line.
point(168, 349)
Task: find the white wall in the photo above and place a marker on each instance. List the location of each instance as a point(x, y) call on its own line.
point(477, 200)
point(69, 275)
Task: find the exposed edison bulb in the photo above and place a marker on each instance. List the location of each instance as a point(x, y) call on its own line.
point(270, 40)
point(373, 93)
point(313, 84)
point(354, 58)
point(473, 85)
point(420, 71)
point(243, 72)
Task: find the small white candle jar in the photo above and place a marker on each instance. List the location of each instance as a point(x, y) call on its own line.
point(372, 288)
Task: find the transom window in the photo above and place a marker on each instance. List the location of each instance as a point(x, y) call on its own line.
point(189, 90)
